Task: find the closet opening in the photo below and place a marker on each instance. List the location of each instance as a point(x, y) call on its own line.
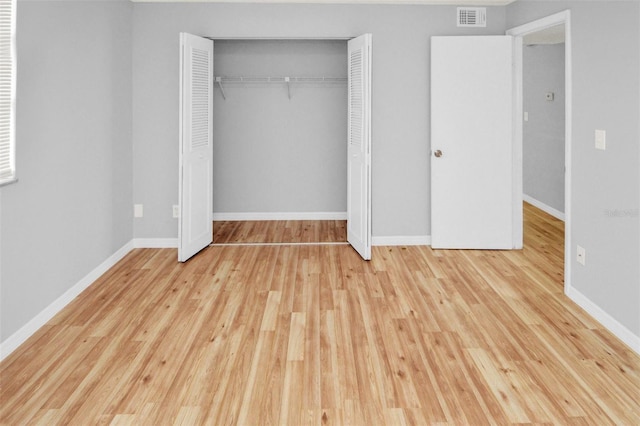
point(280, 118)
point(282, 164)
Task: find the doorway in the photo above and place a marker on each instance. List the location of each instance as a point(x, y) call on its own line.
point(557, 26)
point(197, 213)
point(279, 146)
point(544, 121)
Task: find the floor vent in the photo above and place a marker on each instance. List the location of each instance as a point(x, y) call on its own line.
point(472, 16)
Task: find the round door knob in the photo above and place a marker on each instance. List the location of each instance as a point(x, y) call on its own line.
point(438, 153)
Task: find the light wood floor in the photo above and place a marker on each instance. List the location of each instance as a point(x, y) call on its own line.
point(313, 335)
point(280, 231)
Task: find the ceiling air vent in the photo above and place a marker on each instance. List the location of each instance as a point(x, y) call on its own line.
point(472, 16)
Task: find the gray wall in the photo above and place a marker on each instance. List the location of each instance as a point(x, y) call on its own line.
point(272, 153)
point(400, 116)
point(71, 208)
point(605, 194)
point(543, 134)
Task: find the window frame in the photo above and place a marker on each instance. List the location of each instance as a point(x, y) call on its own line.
point(8, 92)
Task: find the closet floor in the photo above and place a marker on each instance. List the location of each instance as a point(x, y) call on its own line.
point(279, 231)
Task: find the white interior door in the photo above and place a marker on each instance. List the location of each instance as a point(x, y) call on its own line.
point(472, 164)
point(195, 230)
point(359, 146)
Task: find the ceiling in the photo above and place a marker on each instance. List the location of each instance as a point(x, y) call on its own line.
point(422, 2)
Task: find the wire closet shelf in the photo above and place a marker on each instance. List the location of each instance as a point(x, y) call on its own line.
point(221, 81)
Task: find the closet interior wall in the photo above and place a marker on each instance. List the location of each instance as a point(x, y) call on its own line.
point(279, 150)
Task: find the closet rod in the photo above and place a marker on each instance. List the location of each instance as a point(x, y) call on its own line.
point(283, 80)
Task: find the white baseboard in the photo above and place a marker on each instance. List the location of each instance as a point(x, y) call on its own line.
point(281, 216)
point(154, 243)
point(608, 322)
point(27, 330)
point(544, 207)
point(402, 240)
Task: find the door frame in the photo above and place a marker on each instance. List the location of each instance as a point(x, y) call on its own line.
point(345, 38)
point(518, 33)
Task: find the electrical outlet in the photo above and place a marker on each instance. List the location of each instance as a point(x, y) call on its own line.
point(137, 210)
point(581, 255)
point(176, 211)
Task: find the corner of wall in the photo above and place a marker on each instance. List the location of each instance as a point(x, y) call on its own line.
point(27, 330)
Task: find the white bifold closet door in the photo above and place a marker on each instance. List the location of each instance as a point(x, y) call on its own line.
point(195, 229)
point(359, 146)
point(474, 194)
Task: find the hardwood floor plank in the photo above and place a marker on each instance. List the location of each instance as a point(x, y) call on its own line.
point(501, 387)
point(438, 361)
point(188, 416)
point(311, 334)
point(557, 393)
point(365, 375)
point(330, 395)
point(30, 392)
point(345, 362)
point(291, 404)
point(279, 231)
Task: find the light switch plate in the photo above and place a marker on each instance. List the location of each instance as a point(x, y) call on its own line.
point(581, 255)
point(601, 139)
point(137, 210)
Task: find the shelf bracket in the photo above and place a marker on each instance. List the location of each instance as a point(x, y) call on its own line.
point(288, 81)
point(219, 81)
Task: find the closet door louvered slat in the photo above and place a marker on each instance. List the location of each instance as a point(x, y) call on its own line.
point(359, 146)
point(195, 228)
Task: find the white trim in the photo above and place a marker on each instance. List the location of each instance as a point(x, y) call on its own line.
point(402, 240)
point(281, 216)
point(544, 207)
point(27, 330)
point(154, 243)
point(541, 24)
point(610, 323)
point(517, 213)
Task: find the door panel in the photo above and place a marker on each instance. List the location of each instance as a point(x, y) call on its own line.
point(472, 174)
point(195, 230)
point(359, 146)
